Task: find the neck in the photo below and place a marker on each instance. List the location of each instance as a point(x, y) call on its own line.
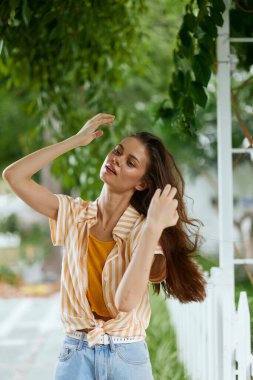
point(110, 207)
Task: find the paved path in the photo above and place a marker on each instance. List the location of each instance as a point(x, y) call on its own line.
point(30, 337)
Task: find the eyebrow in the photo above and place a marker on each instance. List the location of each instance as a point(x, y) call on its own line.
point(129, 154)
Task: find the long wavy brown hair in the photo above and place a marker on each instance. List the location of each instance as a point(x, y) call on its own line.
point(185, 280)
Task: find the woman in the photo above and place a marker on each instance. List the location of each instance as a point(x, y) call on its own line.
point(133, 234)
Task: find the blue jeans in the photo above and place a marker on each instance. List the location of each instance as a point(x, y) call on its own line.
point(113, 361)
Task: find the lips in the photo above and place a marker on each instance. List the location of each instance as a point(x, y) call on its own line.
point(111, 167)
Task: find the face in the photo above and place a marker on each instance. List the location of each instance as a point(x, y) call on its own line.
point(129, 159)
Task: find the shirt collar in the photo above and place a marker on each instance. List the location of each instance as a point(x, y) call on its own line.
point(125, 222)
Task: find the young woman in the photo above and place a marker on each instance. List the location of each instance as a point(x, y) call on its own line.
point(132, 235)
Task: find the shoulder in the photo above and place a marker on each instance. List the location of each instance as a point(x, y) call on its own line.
point(71, 205)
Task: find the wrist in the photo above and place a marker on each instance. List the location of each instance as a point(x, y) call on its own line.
point(153, 228)
point(74, 141)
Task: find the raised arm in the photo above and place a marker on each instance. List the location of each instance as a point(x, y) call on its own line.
point(162, 213)
point(18, 174)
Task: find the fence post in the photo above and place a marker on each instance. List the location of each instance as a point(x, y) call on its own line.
point(243, 344)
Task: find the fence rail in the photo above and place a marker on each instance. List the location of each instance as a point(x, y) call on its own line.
point(205, 331)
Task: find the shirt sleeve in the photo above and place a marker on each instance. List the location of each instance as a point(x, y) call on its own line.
point(60, 228)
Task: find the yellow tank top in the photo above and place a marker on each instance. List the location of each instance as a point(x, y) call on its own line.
point(97, 253)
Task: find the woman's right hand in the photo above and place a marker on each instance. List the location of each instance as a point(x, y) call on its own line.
point(88, 132)
point(162, 211)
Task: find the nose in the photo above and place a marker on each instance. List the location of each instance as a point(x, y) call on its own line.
point(115, 161)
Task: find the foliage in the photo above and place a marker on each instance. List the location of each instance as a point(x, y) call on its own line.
point(17, 126)
point(196, 147)
point(194, 60)
point(130, 94)
point(36, 235)
point(58, 90)
point(74, 41)
point(9, 224)
point(241, 25)
point(9, 276)
point(81, 51)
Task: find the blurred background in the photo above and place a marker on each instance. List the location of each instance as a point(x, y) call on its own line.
point(62, 62)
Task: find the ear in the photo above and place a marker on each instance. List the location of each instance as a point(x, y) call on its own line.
point(142, 186)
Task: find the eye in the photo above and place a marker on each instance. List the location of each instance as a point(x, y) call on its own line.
point(115, 150)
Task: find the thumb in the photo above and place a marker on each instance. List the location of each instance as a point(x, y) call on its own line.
point(98, 133)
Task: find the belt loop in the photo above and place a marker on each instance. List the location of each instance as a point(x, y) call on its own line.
point(112, 346)
point(80, 343)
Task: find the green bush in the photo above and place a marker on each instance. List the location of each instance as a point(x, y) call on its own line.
point(9, 224)
point(8, 275)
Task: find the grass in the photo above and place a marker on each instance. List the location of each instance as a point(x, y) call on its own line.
point(161, 340)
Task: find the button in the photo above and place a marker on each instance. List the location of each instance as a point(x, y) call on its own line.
point(106, 278)
point(109, 304)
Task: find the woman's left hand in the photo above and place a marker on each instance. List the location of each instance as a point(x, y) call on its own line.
point(162, 210)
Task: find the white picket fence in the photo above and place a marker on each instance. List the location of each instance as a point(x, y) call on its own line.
point(213, 338)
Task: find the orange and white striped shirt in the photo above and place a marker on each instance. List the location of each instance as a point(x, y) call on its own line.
point(71, 231)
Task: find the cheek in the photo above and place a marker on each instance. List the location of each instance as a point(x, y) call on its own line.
point(131, 174)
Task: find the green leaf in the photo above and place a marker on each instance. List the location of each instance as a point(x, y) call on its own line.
point(188, 106)
point(190, 21)
point(56, 32)
point(14, 3)
point(216, 16)
point(200, 3)
point(201, 69)
point(219, 5)
point(1, 45)
point(26, 13)
point(48, 17)
point(187, 81)
point(208, 25)
point(176, 88)
point(179, 80)
point(199, 32)
point(166, 113)
point(198, 93)
point(185, 37)
point(207, 48)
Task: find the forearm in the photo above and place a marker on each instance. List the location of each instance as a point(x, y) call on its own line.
point(27, 166)
point(136, 276)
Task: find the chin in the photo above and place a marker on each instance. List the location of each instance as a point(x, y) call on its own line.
point(103, 177)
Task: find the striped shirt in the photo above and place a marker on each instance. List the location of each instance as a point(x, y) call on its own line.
point(71, 231)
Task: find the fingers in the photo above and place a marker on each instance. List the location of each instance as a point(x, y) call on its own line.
point(172, 193)
point(175, 216)
point(103, 117)
point(97, 123)
point(175, 203)
point(157, 193)
point(168, 194)
point(169, 191)
point(100, 119)
point(98, 133)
